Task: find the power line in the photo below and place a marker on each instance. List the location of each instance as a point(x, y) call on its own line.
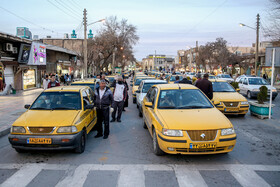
point(63, 10)
point(75, 4)
point(35, 24)
point(70, 10)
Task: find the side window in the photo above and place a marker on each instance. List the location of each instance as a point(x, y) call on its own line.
point(153, 96)
point(241, 80)
point(90, 95)
point(85, 98)
point(149, 94)
point(245, 81)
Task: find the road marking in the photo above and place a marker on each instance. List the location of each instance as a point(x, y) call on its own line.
point(133, 175)
point(23, 177)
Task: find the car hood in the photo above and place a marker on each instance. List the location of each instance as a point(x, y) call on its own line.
point(193, 119)
point(228, 96)
point(47, 118)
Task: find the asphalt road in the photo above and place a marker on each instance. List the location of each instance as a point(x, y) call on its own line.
point(126, 158)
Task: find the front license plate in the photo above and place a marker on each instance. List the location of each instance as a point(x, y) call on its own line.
point(202, 146)
point(39, 140)
point(231, 110)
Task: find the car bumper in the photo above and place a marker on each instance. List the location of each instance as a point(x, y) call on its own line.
point(57, 143)
point(238, 110)
point(182, 145)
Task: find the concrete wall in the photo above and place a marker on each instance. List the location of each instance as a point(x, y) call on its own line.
point(71, 44)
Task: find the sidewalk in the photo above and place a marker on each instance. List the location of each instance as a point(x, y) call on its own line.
point(12, 106)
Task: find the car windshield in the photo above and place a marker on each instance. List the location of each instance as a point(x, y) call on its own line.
point(183, 99)
point(212, 77)
point(84, 84)
point(222, 87)
point(147, 86)
point(257, 81)
point(225, 76)
point(57, 101)
point(137, 82)
point(172, 78)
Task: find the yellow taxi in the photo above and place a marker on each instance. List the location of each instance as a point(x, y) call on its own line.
point(172, 78)
point(228, 100)
point(90, 83)
point(136, 84)
point(182, 120)
point(60, 118)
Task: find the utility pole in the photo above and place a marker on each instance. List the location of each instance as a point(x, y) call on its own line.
point(85, 43)
point(257, 43)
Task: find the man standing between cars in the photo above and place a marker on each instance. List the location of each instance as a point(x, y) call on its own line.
point(120, 94)
point(185, 80)
point(53, 82)
point(177, 79)
point(206, 86)
point(103, 98)
point(162, 76)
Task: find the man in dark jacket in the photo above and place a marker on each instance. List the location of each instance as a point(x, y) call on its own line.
point(103, 98)
point(185, 80)
point(206, 86)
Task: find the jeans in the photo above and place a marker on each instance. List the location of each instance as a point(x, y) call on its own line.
point(103, 115)
point(117, 105)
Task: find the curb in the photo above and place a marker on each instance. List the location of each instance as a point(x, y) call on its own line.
point(4, 131)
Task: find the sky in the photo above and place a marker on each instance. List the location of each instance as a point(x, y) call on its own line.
point(164, 26)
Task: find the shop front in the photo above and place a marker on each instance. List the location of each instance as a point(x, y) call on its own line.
point(29, 79)
point(64, 68)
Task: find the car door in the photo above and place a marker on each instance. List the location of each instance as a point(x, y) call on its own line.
point(88, 114)
point(146, 116)
point(241, 86)
point(138, 94)
point(150, 110)
point(245, 86)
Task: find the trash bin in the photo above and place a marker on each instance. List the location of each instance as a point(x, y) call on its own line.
point(14, 91)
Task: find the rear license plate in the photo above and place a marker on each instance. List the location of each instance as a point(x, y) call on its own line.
point(202, 145)
point(39, 140)
point(231, 110)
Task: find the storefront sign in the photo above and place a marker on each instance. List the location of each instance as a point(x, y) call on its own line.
point(38, 54)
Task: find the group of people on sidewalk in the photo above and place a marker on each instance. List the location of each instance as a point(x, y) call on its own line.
point(107, 101)
point(53, 80)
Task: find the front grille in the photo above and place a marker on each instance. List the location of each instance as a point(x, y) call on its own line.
point(41, 130)
point(197, 135)
point(187, 150)
point(231, 104)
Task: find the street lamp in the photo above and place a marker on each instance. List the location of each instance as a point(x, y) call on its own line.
point(257, 29)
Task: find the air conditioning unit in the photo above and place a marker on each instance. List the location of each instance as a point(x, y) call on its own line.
point(9, 47)
point(15, 50)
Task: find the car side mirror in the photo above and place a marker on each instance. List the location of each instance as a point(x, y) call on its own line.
point(137, 91)
point(27, 106)
point(89, 107)
point(237, 89)
point(148, 104)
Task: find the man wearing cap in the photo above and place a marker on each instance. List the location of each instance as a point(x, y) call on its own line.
point(103, 99)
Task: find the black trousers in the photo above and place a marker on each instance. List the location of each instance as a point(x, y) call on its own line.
point(103, 115)
point(117, 105)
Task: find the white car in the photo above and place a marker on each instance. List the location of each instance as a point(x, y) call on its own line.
point(225, 77)
point(242, 76)
point(144, 87)
point(190, 74)
point(250, 86)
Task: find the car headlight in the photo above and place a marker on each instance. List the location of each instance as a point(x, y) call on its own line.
point(256, 90)
point(227, 131)
point(168, 132)
point(17, 129)
point(68, 129)
point(244, 103)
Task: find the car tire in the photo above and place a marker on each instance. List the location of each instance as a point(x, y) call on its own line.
point(81, 144)
point(20, 150)
point(134, 100)
point(241, 115)
point(273, 98)
point(144, 125)
point(140, 113)
point(156, 147)
point(249, 96)
point(137, 105)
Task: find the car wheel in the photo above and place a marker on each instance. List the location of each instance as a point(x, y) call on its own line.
point(82, 144)
point(144, 124)
point(140, 113)
point(20, 150)
point(273, 98)
point(137, 105)
point(241, 115)
point(157, 149)
point(134, 100)
point(249, 96)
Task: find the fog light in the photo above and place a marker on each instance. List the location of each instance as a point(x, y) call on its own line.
point(65, 140)
point(170, 148)
point(15, 139)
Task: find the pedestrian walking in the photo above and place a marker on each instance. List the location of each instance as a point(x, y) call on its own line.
point(177, 79)
point(185, 80)
point(68, 79)
point(46, 82)
point(127, 97)
point(103, 99)
point(120, 94)
point(206, 86)
point(53, 82)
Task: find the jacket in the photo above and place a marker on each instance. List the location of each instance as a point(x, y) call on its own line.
point(124, 91)
point(105, 101)
point(53, 84)
point(185, 81)
point(206, 86)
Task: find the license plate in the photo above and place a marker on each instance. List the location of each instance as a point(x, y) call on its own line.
point(231, 110)
point(202, 145)
point(39, 140)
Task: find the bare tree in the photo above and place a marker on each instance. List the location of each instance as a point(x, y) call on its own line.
point(272, 29)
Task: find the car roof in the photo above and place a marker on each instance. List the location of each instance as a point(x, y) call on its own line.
point(66, 89)
point(83, 81)
point(175, 86)
point(154, 81)
point(217, 80)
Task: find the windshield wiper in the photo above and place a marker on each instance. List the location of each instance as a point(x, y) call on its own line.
point(39, 108)
point(63, 108)
point(192, 107)
point(166, 107)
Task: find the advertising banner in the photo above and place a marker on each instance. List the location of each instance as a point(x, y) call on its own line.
point(38, 54)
